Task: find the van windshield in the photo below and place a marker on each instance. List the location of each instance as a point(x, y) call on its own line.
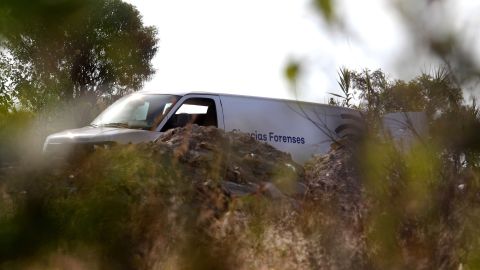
point(137, 111)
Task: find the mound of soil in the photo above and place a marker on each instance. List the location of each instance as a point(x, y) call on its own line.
point(243, 164)
point(332, 180)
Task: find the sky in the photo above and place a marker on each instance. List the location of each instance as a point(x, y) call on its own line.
point(242, 47)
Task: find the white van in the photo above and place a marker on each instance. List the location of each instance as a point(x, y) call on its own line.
point(299, 128)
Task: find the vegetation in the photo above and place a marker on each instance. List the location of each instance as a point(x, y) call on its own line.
point(62, 62)
point(88, 50)
point(368, 205)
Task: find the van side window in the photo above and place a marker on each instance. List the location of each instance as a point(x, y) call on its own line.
point(200, 111)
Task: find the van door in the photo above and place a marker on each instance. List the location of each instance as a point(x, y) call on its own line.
point(203, 110)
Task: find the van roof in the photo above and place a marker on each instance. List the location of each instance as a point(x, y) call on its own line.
point(237, 95)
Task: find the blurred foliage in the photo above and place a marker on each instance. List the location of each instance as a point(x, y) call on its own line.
point(145, 207)
point(62, 62)
point(121, 205)
point(326, 8)
point(292, 71)
point(58, 51)
point(420, 206)
point(13, 127)
point(141, 207)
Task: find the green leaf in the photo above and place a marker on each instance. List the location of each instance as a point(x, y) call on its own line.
point(292, 71)
point(337, 95)
point(326, 8)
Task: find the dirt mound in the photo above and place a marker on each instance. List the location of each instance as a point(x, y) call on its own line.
point(243, 164)
point(334, 189)
point(226, 169)
point(333, 180)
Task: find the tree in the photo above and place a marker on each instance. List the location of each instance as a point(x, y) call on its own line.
point(435, 93)
point(59, 51)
